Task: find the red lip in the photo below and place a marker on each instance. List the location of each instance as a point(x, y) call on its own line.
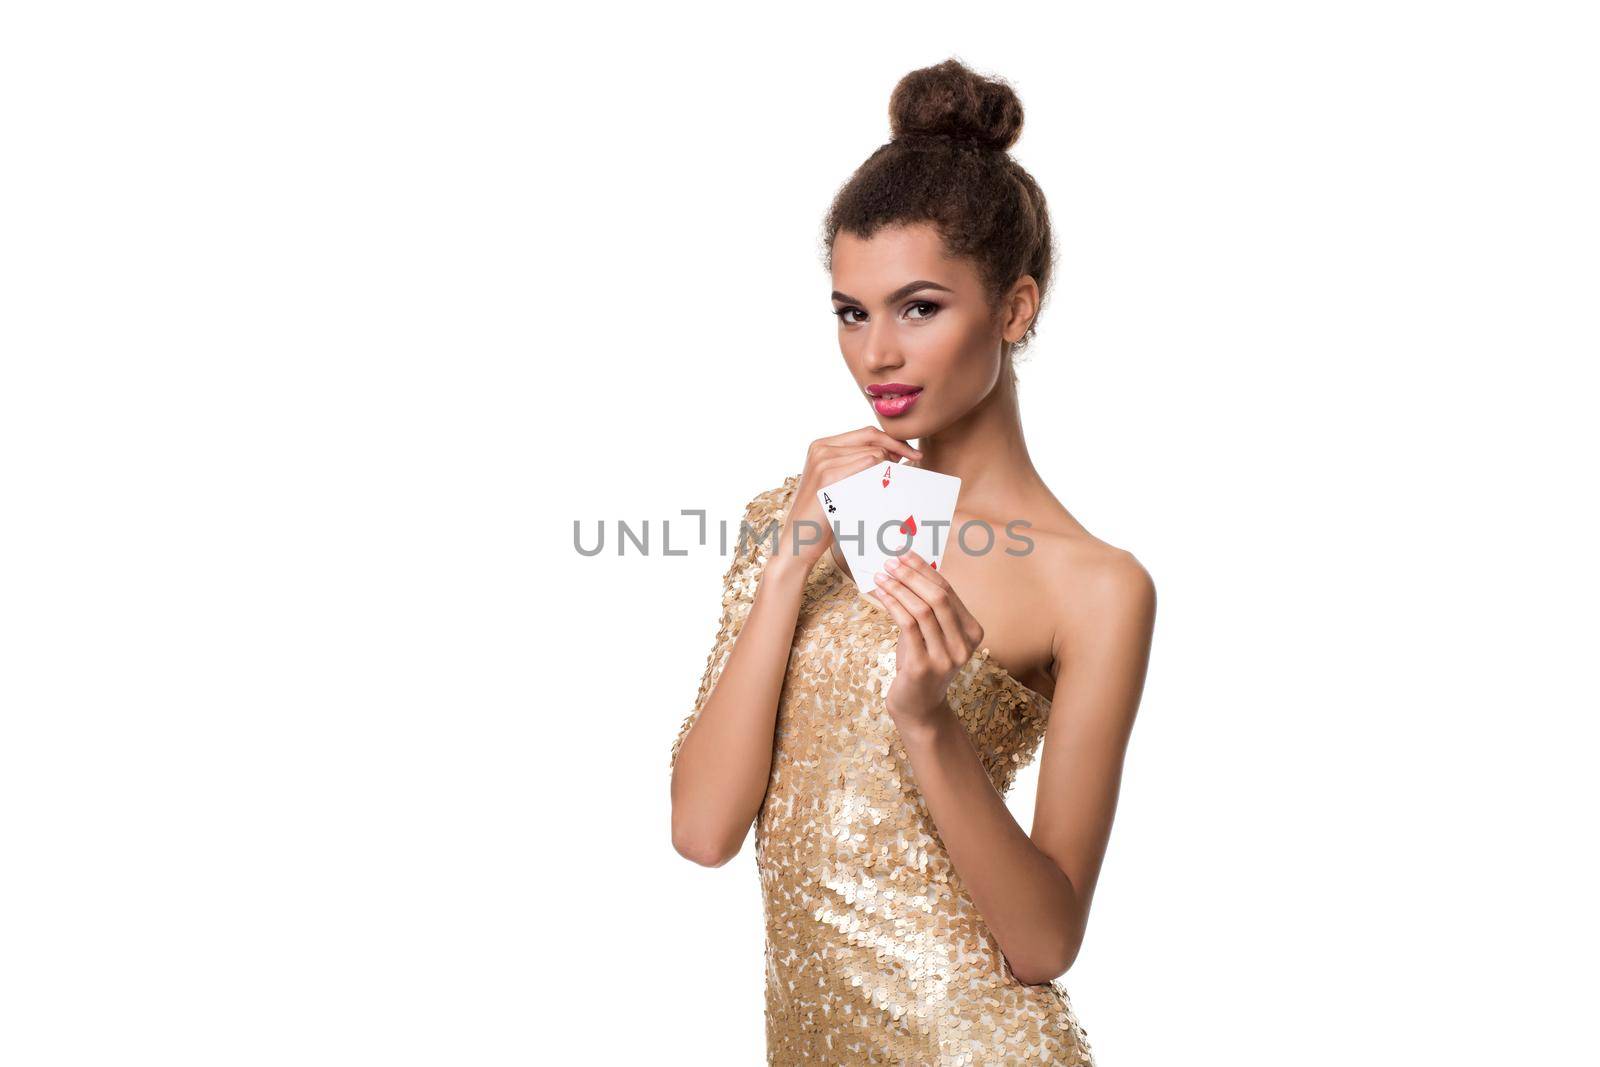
point(890, 405)
point(892, 389)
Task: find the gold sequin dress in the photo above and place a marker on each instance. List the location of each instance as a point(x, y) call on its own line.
point(875, 952)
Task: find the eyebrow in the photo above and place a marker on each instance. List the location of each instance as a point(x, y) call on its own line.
point(899, 294)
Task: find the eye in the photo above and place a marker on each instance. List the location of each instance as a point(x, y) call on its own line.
point(933, 308)
point(842, 312)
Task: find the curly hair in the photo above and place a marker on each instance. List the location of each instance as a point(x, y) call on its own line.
point(948, 163)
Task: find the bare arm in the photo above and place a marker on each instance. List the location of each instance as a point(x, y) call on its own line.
point(721, 766)
point(1101, 661)
point(1034, 892)
point(722, 758)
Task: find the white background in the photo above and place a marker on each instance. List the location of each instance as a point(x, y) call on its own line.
point(322, 323)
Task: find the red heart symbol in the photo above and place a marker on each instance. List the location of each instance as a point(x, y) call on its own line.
point(909, 527)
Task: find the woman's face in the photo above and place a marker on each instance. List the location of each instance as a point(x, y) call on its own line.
point(909, 317)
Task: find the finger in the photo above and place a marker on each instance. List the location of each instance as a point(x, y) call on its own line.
point(968, 623)
point(921, 575)
point(841, 467)
point(910, 632)
point(826, 448)
point(862, 456)
point(880, 437)
point(939, 598)
point(928, 624)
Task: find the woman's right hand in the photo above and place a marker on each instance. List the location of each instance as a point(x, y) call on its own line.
point(827, 461)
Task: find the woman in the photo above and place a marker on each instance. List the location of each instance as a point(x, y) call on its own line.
point(872, 734)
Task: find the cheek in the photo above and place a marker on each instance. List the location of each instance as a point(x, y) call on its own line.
point(850, 349)
point(966, 360)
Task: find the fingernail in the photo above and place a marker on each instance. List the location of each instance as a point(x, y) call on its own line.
point(880, 577)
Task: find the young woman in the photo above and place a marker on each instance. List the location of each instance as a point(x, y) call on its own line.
point(871, 735)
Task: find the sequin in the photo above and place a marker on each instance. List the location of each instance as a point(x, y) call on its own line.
point(875, 952)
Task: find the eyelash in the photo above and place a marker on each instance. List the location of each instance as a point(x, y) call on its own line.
point(839, 314)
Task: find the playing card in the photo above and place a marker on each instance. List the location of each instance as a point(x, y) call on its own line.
point(911, 507)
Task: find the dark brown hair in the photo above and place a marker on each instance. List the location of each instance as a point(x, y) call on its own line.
point(947, 163)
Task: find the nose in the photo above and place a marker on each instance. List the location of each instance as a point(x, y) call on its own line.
point(880, 353)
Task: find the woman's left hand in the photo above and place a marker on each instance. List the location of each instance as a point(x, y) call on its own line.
point(937, 637)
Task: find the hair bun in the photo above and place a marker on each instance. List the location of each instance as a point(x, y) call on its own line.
point(950, 101)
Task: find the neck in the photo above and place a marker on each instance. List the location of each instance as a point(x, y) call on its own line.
point(986, 450)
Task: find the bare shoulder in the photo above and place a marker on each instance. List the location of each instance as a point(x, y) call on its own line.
point(1100, 592)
